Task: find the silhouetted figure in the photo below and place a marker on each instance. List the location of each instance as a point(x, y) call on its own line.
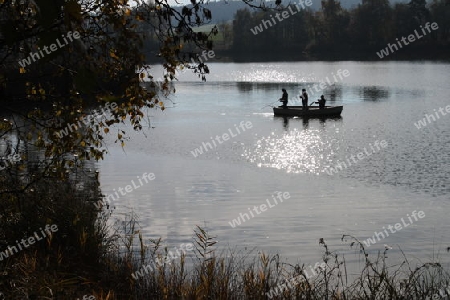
point(284, 98)
point(321, 102)
point(304, 97)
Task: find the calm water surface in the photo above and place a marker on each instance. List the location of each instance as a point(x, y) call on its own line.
point(382, 101)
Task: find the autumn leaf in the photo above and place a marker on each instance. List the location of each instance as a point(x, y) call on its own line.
point(113, 55)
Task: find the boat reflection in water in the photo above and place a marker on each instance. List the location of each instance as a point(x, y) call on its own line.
point(305, 120)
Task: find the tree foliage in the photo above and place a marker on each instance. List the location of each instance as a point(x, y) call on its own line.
point(350, 34)
point(50, 82)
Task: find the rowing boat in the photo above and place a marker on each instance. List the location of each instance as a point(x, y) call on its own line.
point(312, 111)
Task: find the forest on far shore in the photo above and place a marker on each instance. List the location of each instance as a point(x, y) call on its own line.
point(336, 33)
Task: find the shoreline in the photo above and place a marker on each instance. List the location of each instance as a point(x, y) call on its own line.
point(412, 53)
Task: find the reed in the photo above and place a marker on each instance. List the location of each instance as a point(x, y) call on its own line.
point(90, 256)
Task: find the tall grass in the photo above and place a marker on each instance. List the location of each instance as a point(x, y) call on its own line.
point(89, 256)
point(250, 275)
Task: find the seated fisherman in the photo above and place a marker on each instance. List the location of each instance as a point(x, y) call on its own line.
point(321, 102)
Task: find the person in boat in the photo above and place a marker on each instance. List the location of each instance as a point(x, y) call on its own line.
point(321, 102)
point(284, 98)
point(304, 97)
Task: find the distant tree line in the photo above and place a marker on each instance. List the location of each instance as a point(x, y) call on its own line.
point(336, 33)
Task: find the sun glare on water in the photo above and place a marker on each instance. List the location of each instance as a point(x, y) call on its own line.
point(295, 151)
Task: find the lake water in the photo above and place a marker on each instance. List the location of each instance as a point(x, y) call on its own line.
point(382, 102)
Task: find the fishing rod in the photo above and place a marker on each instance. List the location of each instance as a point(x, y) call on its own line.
point(271, 104)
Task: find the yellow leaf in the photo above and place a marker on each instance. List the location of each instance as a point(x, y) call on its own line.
point(82, 144)
point(21, 70)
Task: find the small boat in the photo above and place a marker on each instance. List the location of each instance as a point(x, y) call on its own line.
point(312, 111)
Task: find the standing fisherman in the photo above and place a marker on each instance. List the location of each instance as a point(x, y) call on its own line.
point(284, 98)
point(304, 97)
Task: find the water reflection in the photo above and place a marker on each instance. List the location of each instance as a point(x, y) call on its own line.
point(295, 151)
point(373, 93)
point(333, 93)
point(285, 121)
point(270, 73)
point(247, 87)
point(305, 121)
